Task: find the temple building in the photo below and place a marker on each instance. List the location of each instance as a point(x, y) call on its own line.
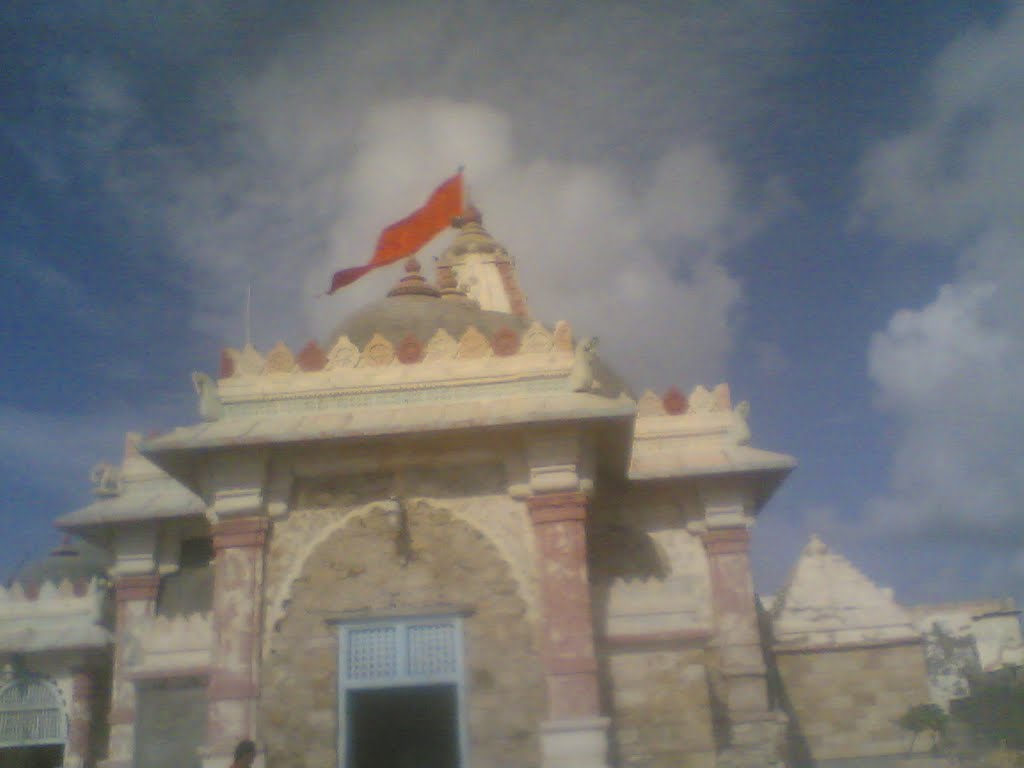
point(448, 535)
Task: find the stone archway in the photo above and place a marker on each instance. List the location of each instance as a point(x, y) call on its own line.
point(375, 565)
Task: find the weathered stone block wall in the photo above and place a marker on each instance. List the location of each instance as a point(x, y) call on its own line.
point(662, 708)
point(652, 604)
point(650, 574)
point(363, 567)
point(846, 700)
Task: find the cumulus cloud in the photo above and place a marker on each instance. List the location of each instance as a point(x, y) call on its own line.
point(958, 169)
point(612, 187)
point(950, 373)
point(218, 147)
point(579, 231)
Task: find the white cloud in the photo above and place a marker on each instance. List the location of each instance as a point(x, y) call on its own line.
point(951, 373)
point(959, 168)
point(236, 150)
point(580, 231)
point(601, 178)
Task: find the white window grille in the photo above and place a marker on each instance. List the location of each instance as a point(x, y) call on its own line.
point(407, 652)
point(31, 713)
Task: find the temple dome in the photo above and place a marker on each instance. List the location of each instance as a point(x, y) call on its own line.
point(397, 317)
point(73, 560)
point(414, 307)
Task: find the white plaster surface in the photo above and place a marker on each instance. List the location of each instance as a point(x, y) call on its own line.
point(180, 642)
point(681, 600)
point(55, 619)
point(829, 602)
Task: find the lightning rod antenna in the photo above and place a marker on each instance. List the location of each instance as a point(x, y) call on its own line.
point(248, 315)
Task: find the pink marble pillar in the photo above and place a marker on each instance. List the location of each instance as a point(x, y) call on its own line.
point(739, 644)
point(568, 632)
point(135, 596)
point(234, 686)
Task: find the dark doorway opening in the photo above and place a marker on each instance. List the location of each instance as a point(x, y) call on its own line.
point(415, 727)
point(47, 756)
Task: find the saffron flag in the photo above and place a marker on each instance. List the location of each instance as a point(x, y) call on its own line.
point(405, 237)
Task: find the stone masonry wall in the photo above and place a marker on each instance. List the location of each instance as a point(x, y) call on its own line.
point(846, 701)
point(662, 710)
point(362, 568)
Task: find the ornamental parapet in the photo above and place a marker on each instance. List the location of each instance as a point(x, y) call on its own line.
point(79, 595)
point(53, 615)
point(699, 434)
point(172, 644)
point(379, 352)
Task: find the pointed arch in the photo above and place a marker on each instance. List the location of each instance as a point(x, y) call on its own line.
point(32, 713)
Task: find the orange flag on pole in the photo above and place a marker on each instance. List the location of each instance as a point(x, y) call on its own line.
point(405, 237)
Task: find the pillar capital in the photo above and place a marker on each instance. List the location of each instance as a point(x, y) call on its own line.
point(235, 532)
point(136, 586)
point(556, 507)
point(722, 541)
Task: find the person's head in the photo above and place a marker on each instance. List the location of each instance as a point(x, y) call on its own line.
point(245, 752)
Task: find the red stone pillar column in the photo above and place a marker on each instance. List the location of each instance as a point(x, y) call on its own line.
point(135, 597)
point(739, 641)
point(234, 686)
point(79, 751)
point(575, 734)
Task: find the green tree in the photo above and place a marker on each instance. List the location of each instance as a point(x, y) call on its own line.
point(921, 718)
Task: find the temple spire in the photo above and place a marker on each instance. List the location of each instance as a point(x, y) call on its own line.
point(482, 267)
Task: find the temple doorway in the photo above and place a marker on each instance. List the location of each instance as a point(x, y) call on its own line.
point(46, 756)
point(415, 727)
point(401, 694)
point(170, 722)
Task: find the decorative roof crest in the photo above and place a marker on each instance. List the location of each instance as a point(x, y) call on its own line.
point(377, 352)
point(380, 351)
point(344, 354)
point(473, 345)
point(441, 347)
point(537, 340)
point(280, 359)
point(65, 589)
point(562, 337)
point(106, 480)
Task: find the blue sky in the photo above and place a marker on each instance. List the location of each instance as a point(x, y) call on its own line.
point(816, 202)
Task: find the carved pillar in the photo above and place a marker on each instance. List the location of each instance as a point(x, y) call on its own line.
point(739, 643)
point(575, 733)
point(234, 686)
point(135, 596)
point(79, 750)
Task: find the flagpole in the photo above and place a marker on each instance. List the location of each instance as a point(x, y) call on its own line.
point(248, 315)
point(463, 190)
